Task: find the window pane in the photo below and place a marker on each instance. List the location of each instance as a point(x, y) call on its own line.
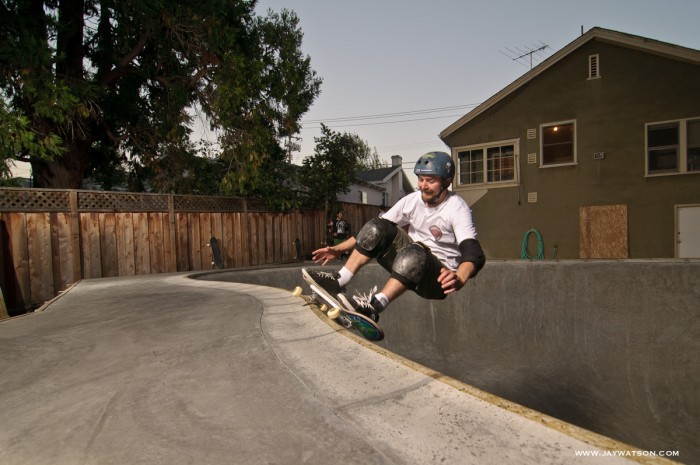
point(558, 144)
point(663, 135)
point(471, 167)
point(501, 163)
point(663, 160)
point(662, 140)
point(694, 145)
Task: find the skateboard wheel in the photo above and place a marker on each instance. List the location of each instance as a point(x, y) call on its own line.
point(324, 307)
point(297, 291)
point(333, 313)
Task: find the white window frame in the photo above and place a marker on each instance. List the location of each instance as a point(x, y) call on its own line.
point(682, 154)
point(363, 197)
point(484, 148)
point(575, 137)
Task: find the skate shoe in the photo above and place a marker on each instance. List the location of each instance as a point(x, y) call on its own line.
point(326, 280)
point(365, 304)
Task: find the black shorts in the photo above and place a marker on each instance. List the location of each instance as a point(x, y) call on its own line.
point(428, 287)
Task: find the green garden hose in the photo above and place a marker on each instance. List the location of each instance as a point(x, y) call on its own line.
point(540, 246)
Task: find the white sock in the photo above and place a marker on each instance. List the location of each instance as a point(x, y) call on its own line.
point(345, 276)
point(382, 299)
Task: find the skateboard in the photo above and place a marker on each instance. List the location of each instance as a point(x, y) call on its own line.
point(346, 317)
point(217, 261)
point(297, 250)
point(315, 298)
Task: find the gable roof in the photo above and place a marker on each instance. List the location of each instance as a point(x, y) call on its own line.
point(378, 175)
point(370, 185)
point(606, 35)
point(383, 175)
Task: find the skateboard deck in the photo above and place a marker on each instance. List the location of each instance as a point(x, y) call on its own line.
point(216, 259)
point(297, 250)
point(350, 319)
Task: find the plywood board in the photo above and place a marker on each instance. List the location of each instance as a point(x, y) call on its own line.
point(603, 232)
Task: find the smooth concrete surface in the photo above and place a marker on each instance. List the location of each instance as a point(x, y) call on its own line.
point(164, 369)
point(611, 346)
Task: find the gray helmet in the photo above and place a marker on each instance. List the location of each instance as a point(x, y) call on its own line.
point(435, 164)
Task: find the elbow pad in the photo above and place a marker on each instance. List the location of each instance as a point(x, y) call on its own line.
point(472, 252)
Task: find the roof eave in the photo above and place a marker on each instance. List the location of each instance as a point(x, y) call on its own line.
point(650, 45)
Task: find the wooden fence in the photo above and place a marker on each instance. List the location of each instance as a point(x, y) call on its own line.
point(50, 239)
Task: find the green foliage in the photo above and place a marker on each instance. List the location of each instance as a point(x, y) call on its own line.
point(17, 136)
point(331, 170)
point(90, 87)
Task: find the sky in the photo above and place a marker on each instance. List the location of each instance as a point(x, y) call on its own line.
point(429, 62)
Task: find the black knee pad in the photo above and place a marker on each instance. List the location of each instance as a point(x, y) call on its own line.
point(375, 237)
point(410, 265)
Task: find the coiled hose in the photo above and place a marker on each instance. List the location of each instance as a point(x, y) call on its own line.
point(540, 246)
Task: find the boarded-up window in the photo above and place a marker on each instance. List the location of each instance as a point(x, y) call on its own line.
point(603, 232)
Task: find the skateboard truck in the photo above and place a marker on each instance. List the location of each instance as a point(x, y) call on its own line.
point(345, 318)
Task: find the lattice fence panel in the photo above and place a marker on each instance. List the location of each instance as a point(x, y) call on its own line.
point(48, 200)
point(207, 204)
point(33, 200)
point(122, 202)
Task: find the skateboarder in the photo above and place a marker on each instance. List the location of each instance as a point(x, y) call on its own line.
point(437, 256)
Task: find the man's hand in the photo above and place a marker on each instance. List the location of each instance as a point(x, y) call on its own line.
point(325, 254)
point(452, 281)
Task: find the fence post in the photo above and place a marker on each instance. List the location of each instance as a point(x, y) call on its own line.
point(174, 252)
point(75, 244)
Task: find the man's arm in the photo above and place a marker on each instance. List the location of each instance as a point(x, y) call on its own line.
point(471, 252)
point(473, 260)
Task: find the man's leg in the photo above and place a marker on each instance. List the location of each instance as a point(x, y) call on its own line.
point(356, 261)
point(392, 289)
point(376, 239)
point(417, 269)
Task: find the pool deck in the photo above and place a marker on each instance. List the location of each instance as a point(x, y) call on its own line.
point(165, 369)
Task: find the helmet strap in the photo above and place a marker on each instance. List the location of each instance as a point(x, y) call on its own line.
point(434, 200)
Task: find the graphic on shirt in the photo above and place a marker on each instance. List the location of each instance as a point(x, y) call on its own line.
point(435, 231)
point(340, 227)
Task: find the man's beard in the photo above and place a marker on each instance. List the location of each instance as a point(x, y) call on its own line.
point(432, 200)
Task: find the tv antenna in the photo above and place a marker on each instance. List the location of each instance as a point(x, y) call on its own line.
point(520, 54)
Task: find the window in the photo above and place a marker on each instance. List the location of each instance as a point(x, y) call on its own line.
point(492, 164)
point(558, 143)
point(673, 147)
point(693, 159)
point(363, 197)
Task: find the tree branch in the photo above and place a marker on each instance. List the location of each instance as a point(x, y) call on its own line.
point(111, 77)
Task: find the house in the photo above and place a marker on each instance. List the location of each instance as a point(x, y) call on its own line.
point(381, 186)
point(594, 153)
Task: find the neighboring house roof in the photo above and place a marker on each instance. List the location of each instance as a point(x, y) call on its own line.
point(379, 175)
point(383, 176)
point(619, 38)
point(370, 185)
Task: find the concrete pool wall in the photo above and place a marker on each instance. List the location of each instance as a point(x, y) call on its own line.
point(611, 346)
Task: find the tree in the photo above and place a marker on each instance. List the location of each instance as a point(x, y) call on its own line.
point(331, 170)
point(89, 84)
point(370, 158)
